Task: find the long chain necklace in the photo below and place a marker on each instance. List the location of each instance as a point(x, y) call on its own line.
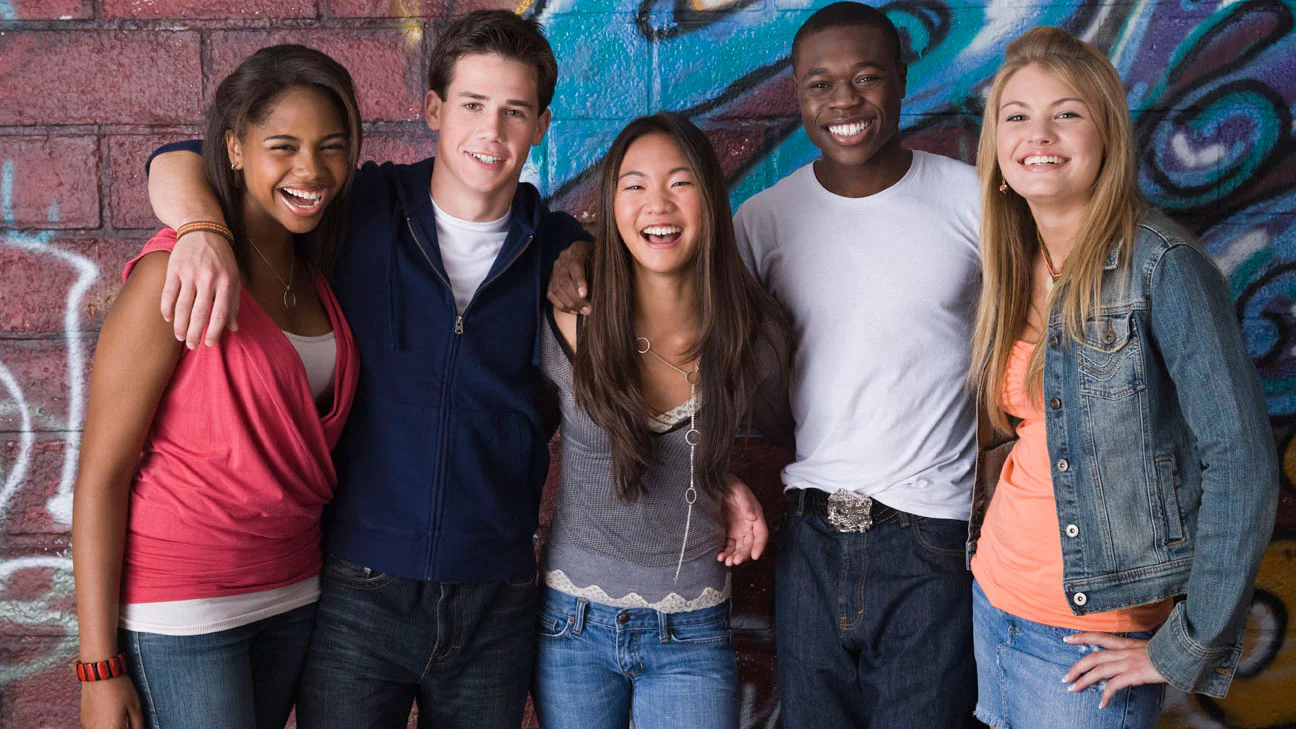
point(1053, 273)
point(289, 298)
point(692, 436)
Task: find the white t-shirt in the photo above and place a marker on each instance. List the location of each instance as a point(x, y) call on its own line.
point(882, 293)
point(468, 250)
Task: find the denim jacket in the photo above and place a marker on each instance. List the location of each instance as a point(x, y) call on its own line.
point(1163, 462)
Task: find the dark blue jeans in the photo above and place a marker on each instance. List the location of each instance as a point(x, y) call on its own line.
point(241, 678)
point(462, 652)
point(874, 629)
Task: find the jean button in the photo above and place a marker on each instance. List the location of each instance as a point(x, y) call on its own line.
point(1072, 530)
point(1079, 599)
point(1062, 464)
point(623, 618)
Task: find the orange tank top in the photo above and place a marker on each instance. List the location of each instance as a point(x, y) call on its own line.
point(1018, 562)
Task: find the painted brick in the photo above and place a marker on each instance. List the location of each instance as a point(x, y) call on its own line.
point(138, 77)
point(403, 148)
point(128, 186)
point(754, 80)
point(40, 366)
point(386, 65)
point(33, 508)
point(590, 48)
point(410, 8)
point(51, 9)
point(55, 181)
point(39, 281)
point(197, 9)
point(39, 690)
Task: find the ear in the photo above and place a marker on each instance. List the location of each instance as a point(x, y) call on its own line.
point(233, 149)
point(542, 126)
point(432, 103)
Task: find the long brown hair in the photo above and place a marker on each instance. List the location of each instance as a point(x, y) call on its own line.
point(1008, 242)
point(248, 96)
point(735, 314)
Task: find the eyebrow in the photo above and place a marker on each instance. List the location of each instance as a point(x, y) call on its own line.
point(291, 138)
point(627, 173)
point(510, 102)
point(1007, 104)
point(861, 65)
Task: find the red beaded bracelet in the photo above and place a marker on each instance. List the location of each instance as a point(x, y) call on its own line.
point(102, 670)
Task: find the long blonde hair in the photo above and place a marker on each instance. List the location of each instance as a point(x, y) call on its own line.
point(1008, 231)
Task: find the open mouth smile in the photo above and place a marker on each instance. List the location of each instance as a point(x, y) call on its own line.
point(661, 236)
point(850, 132)
point(303, 201)
point(485, 159)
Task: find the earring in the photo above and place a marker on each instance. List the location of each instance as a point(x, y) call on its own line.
point(1003, 187)
point(234, 166)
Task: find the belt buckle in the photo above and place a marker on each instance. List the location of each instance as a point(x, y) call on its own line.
point(850, 512)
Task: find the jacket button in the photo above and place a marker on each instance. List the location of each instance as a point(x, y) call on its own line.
point(1054, 341)
point(1079, 599)
point(1072, 530)
point(623, 618)
point(1062, 464)
point(1056, 403)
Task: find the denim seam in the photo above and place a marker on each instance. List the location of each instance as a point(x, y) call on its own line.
point(153, 721)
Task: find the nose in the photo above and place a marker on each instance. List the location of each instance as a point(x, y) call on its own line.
point(660, 199)
point(308, 164)
point(843, 95)
point(490, 127)
point(1041, 132)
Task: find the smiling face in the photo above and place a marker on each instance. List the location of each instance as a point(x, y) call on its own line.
point(485, 127)
point(1048, 147)
point(849, 86)
point(658, 204)
point(293, 163)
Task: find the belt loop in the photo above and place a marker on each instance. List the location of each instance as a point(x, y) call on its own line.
point(582, 607)
point(663, 626)
point(801, 497)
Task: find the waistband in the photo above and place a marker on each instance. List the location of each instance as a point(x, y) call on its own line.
point(582, 612)
point(815, 502)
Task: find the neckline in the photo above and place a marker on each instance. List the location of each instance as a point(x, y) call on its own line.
point(904, 181)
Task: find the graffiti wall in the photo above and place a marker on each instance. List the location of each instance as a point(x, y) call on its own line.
point(89, 87)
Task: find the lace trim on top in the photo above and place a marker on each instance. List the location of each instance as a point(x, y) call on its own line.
point(672, 603)
point(662, 422)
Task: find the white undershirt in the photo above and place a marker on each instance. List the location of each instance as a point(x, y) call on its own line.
point(468, 250)
point(881, 291)
point(319, 357)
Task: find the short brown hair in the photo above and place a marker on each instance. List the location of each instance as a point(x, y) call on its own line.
point(494, 32)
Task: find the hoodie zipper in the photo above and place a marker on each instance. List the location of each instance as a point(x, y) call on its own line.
point(460, 320)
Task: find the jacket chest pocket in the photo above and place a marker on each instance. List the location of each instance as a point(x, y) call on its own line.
point(1111, 358)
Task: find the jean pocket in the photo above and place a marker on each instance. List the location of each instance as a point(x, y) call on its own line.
point(349, 574)
point(943, 537)
point(702, 632)
point(554, 625)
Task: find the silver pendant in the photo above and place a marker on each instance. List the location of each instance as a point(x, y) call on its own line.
point(290, 299)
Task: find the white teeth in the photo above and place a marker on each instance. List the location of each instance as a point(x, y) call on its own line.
point(1040, 159)
point(486, 158)
point(662, 230)
point(303, 194)
point(847, 130)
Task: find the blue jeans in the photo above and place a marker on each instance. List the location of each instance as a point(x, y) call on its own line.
point(874, 629)
point(1020, 665)
point(461, 651)
point(241, 678)
point(598, 666)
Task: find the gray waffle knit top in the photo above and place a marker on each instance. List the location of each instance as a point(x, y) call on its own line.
point(619, 553)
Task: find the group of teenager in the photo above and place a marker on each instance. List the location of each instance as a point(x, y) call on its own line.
point(1033, 472)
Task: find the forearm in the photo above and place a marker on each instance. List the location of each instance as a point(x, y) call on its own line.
point(179, 191)
point(98, 539)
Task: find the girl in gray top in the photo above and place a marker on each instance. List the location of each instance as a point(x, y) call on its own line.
point(681, 346)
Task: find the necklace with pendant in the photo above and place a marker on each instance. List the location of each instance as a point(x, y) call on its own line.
point(289, 298)
point(1053, 273)
point(692, 436)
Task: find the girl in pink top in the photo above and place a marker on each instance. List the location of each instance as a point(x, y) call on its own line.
point(204, 472)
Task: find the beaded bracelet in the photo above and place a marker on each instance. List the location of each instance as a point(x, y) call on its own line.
point(208, 226)
point(102, 670)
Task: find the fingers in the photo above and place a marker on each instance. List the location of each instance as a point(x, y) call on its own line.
point(183, 306)
point(224, 312)
point(567, 293)
point(136, 717)
point(1104, 640)
point(170, 292)
point(199, 317)
point(1124, 680)
point(1106, 667)
point(760, 538)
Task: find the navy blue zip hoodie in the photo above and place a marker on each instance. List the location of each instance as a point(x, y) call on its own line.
point(443, 459)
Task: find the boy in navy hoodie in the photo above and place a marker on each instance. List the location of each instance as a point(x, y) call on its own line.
point(428, 594)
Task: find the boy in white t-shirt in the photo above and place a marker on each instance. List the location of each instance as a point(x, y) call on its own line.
point(873, 250)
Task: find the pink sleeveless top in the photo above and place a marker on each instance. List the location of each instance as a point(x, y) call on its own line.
point(236, 468)
point(1018, 562)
